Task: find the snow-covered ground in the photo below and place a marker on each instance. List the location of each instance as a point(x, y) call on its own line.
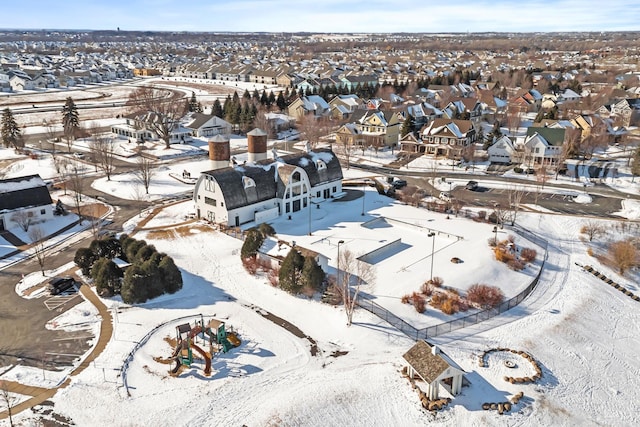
point(582, 332)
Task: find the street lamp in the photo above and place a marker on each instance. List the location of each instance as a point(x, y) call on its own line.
point(339, 243)
point(433, 250)
point(495, 239)
point(364, 189)
point(310, 203)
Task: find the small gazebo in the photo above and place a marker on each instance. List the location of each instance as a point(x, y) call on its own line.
point(434, 368)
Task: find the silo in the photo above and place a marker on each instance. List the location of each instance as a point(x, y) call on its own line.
point(257, 145)
point(219, 152)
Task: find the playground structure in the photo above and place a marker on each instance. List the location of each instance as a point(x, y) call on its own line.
point(214, 333)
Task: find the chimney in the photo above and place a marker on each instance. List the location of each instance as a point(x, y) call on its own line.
point(435, 350)
point(256, 145)
point(219, 152)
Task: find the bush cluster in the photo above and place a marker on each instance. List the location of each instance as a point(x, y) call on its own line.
point(150, 274)
point(485, 296)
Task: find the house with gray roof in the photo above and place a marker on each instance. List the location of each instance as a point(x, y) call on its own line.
point(261, 191)
point(25, 196)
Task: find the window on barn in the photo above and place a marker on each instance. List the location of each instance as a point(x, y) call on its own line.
point(248, 182)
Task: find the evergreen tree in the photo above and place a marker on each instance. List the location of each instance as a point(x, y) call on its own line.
point(271, 99)
point(107, 277)
point(134, 285)
point(252, 242)
point(291, 272)
point(263, 98)
point(246, 95)
point(84, 259)
point(70, 119)
point(11, 136)
point(226, 109)
point(407, 125)
point(256, 95)
point(193, 105)
point(280, 102)
point(312, 274)
point(170, 274)
point(216, 109)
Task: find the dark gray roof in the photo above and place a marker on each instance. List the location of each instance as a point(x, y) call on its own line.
point(272, 176)
point(22, 192)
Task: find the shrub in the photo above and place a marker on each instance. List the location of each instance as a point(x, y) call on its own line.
point(107, 277)
point(503, 256)
point(312, 274)
point(426, 289)
point(484, 295)
point(528, 254)
point(419, 302)
point(518, 169)
point(250, 264)
point(515, 264)
point(266, 229)
point(272, 275)
point(482, 215)
point(84, 259)
point(449, 305)
point(437, 282)
point(590, 251)
point(437, 300)
point(290, 272)
point(405, 299)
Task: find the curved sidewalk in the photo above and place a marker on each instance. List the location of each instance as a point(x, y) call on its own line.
point(39, 394)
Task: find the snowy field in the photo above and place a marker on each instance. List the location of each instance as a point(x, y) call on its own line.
point(582, 333)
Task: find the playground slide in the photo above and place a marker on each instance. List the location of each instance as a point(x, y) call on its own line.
point(177, 367)
point(195, 331)
point(207, 358)
point(233, 339)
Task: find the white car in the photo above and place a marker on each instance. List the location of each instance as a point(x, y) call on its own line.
point(445, 195)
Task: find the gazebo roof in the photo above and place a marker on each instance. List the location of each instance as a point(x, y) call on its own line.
point(426, 364)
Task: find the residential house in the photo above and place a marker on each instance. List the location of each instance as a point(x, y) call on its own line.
point(342, 106)
point(464, 108)
point(205, 125)
point(309, 105)
point(25, 200)
point(543, 146)
point(503, 150)
point(378, 128)
point(141, 128)
point(268, 188)
point(448, 137)
point(274, 251)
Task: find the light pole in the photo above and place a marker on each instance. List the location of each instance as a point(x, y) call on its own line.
point(364, 189)
point(495, 239)
point(433, 250)
point(339, 243)
point(310, 214)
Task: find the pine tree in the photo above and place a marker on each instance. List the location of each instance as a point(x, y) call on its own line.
point(407, 125)
point(290, 272)
point(312, 274)
point(271, 99)
point(11, 136)
point(70, 120)
point(246, 95)
point(216, 109)
point(193, 105)
point(280, 102)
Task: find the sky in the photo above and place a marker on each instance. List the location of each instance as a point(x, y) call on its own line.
point(370, 16)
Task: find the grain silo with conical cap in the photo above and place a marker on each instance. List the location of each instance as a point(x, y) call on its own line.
point(219, 152)
point(257, 145)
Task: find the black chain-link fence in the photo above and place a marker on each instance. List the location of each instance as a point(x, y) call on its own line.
point(462, 322)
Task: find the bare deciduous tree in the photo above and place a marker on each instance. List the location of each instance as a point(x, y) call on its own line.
point(144, 172)
point(352, 275)
point(62, 165)
point(592, 229)
point(7, 399)
point(162, 111)
point(515, 195)
point(76, 184)
point(38, 244)
point(103, 150)
point(313, 128)
point(22, 218)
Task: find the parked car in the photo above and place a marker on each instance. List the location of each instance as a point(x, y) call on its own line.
point(472, 185)
point(398, 183)
point(58, 285)
point(445, 195)
point(78, 155)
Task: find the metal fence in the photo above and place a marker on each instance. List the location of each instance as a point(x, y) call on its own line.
point(472, 319)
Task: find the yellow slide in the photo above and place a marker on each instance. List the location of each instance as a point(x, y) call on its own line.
point(233, 339)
